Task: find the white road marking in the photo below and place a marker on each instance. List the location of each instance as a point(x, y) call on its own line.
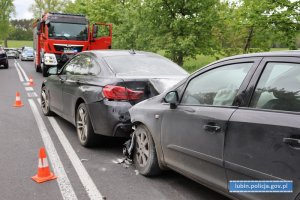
point(19, 73)
point(28, 89)
point(64, 184)
point(32, 94)
point(83, 175)
point(24, 74)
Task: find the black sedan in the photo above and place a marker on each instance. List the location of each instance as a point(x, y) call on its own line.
point(236, 119)
point(95, 89)
point(3, 58)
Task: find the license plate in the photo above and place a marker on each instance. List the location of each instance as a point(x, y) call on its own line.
point(69, 50)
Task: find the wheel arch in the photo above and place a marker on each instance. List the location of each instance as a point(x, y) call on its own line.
point(158, 147)
point(78, 102)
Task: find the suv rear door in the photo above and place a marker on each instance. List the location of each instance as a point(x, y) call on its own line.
point(263, 137)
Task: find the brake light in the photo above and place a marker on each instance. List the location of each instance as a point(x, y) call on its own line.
point(114, 92)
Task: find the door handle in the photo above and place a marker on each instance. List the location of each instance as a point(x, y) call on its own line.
point(292, 142)
point(190, 110)
point(212, 127)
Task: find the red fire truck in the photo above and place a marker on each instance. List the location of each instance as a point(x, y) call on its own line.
point(58, 37)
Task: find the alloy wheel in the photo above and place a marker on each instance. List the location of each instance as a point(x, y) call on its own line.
point(82, 126)
point(142, 148)
point(45, 102)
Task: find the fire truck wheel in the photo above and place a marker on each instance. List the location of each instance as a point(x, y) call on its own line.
point(37, 68)
point(44, 70)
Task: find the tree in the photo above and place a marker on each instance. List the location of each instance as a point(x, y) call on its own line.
point(21, 29)
point(285, 19)
point(254, 25)
point(7, 8)
point(39, 7)
point(182, 28)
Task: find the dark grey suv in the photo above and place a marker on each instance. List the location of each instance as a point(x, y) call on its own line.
point(236, 119)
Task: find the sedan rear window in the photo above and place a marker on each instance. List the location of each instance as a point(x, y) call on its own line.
point(142, 65)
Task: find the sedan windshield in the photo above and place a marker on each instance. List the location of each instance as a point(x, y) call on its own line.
point(141, 65)
point(64, 31)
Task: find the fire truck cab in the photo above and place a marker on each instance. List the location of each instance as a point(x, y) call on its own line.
point(58, 37)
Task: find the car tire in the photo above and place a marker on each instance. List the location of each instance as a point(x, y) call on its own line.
point(84, 128)
point(45, 102)
point(44, 69)
point(6, 65)
point(144, 155)
point(37, 67)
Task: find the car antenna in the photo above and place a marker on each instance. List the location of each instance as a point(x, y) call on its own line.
point(132, 51)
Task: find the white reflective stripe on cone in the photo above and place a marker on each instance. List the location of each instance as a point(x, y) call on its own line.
point(18, 98)
point(40, 163)
point(45, 163)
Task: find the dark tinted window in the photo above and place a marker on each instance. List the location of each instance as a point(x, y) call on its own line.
point(218, 86)
point(72, 67)
point(278, 88)
point(82, 67)
point(143, 65)
point(94, 68)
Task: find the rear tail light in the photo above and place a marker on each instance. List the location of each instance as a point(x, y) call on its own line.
point(114, 92)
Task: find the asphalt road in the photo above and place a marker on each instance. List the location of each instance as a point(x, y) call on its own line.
point(82, 173)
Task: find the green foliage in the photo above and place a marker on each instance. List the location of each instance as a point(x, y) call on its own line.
point(7, 8)
point(182, 28)
point(39, 7)
point(21, 29)
point(187, 30)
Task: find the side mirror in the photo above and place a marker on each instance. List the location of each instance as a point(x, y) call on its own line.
point(52, 71)
point(172, 99)
point(38, 27)
point(95, 30)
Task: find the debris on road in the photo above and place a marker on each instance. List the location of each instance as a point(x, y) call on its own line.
point(125, 162)
point(128, 147)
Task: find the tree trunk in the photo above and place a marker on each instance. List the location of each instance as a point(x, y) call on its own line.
point(179, 59)
point(249, 39)
point(5, 43)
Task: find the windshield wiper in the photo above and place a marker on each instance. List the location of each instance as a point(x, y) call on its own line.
point(60, 37)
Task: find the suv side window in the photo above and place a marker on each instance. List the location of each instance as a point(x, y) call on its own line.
point(278, 88)
point(218, 86)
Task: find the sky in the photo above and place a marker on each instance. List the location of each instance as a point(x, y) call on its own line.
point(22, 9)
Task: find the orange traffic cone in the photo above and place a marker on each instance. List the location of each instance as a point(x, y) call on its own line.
point(18, 102)
point(31, 83)
point(44, 173)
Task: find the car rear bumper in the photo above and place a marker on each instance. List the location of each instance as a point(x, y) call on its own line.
point(27, 58)
point(111, 118)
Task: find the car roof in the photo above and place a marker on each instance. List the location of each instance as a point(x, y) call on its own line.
point(106, 53)
point(287, 53)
